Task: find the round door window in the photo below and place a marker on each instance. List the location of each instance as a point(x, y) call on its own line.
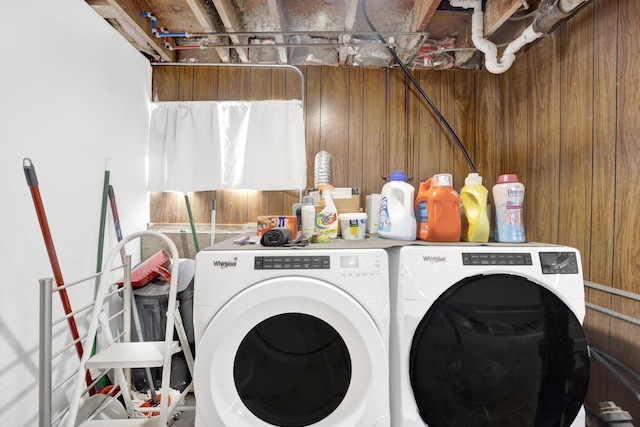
point(499, 350)
point(292, 370)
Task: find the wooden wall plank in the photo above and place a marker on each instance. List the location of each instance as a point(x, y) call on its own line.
point(374, 123)
point(260, 84)
point(515, 119)
point(205, 83)
point(465, 124)
point(489, 134)
point(627, 222)
point(278, 83)
point(430, 134)
point(397, 140)
point(334, 122)
point(447, 109)
point(355, 155)
point(604, 144)
point(185, 84)
point(312, 117)
point(576, 130)
point(542, 185)
point(165, 83)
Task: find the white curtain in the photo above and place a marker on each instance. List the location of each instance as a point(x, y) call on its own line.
point(207, 145)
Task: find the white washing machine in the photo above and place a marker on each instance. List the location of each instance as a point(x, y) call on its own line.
point(487, 335)
point(292, 337)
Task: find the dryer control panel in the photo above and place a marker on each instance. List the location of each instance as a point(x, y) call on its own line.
point(292, 262)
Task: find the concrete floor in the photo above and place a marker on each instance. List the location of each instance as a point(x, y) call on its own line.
point(187, 418)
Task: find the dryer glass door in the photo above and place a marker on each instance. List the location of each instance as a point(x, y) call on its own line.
point(293, 351)
point(292, 369)
point(499, 350)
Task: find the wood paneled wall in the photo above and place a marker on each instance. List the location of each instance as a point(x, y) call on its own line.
point(565, 118)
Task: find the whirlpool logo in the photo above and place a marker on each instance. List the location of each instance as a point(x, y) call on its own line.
point(434, 259)
point(225, 264)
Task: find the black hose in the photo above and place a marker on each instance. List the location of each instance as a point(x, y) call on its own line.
point(422, 92)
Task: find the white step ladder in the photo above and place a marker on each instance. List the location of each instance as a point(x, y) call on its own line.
point(119, 354)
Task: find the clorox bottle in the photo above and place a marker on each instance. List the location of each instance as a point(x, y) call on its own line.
point(327, 218)
point(443, 210)
point(474, 210)
point(397, 219)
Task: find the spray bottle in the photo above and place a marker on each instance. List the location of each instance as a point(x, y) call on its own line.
point(327, 218)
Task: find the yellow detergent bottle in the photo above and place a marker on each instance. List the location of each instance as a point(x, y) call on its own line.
point(474, 209)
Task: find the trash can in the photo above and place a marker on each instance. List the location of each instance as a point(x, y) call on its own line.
point(152, 301)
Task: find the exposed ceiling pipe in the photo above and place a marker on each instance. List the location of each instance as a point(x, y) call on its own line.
point(551, 13)
point(491, 62)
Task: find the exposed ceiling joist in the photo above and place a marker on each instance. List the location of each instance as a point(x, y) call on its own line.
point(232, 22)
point(129, 11)
point(497, 12)
point(421, 14)
point(203, 18)
point(104, 9)
point(275, 14)
point(350, 9)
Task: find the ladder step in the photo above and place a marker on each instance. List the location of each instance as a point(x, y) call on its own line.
point(131, 355)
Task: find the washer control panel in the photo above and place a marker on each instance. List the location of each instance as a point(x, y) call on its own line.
point(486, 258)
point(559, 263)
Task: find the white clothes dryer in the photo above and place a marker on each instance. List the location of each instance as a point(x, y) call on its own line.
point(487, 335)
point(292, 337)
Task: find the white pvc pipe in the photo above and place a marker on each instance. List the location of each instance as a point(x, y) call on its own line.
point(491, 62)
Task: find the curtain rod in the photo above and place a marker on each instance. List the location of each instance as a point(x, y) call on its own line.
point(225, 64)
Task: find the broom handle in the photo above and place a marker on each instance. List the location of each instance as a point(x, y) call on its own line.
point(32, 182)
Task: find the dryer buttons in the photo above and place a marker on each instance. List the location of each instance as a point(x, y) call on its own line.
point(319, 262)
point(496, 258)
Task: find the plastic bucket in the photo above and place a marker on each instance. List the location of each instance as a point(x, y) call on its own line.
point(353, 225)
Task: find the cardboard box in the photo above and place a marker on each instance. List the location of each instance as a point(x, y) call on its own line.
point(372, 203)
point(347, 200)
point(268, 222)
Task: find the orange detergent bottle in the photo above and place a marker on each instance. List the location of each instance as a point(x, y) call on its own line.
point(443, 210)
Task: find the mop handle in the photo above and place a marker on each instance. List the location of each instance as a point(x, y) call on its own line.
point(32, 182)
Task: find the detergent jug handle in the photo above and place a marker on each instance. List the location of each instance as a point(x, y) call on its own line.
point(408, 199)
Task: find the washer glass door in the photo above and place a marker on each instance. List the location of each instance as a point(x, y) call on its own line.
point(499, 350)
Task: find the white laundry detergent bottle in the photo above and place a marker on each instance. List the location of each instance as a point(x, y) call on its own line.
point(397, 218)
